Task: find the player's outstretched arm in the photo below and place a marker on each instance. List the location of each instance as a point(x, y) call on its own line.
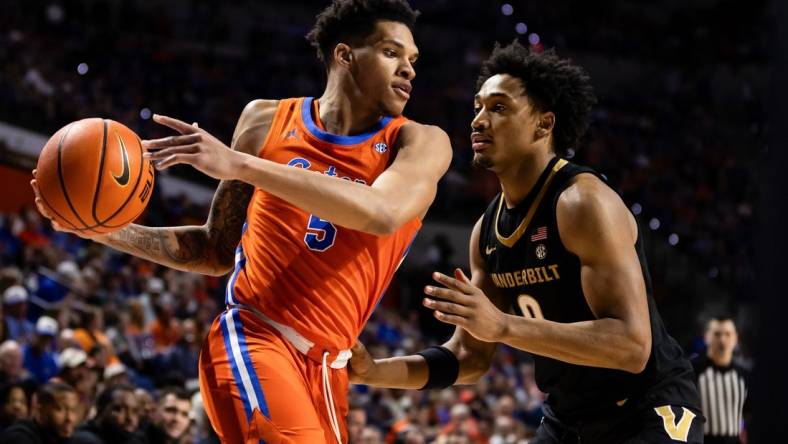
point(208, 248)
point(402, 192)
point(413, 372)
point(595, 225)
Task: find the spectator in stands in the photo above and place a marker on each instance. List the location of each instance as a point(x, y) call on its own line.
point(91, 334)
point(117, 419)
point(53, 288)
point(78, 372)
point(147, 406)
point(461, 420)
point(154, 289)
point(165, 328)
point(371, 435)
point(505, 431)
point(14, 404)
point(10, 275)
point(170, 423)
point(401, 427)
point(202, 431)
point(11, 363)
point(116, 374)
point(356, 421)
point(39, 359)
point(141, 346)
point(56, 414)
point(183, 359)
point(15, 310)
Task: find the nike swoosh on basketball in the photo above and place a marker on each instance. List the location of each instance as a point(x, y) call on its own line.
point(123, 179)
point(488, 250)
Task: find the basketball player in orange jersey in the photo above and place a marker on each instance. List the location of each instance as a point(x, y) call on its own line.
point(319, 201)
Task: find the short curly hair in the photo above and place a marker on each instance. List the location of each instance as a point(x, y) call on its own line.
point(353, 20)
point(552, 84)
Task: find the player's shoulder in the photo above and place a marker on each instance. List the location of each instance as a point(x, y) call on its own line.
point(586, 194)
point(422, 136)
point(415, 130)
point(253, 125)
point(259, 108)
point(589, 199)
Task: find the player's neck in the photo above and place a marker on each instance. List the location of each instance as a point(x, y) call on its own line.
point(519, 179)
point(342, 110)
point(721, 359)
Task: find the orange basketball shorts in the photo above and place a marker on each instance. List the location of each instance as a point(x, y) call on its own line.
point(258, 388)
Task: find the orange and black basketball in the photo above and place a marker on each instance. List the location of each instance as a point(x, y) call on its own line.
point(92, 176)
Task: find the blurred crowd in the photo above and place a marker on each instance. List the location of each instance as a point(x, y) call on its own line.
point(117, 336)
point(118, 339)
point(678, 132)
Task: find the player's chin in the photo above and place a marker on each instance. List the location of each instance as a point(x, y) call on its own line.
point(394, 106)
point(482, 161)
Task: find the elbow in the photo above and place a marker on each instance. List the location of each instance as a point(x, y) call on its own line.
point(637, 364)
point(220, 265)
point(637, 360)
point(473, 369)
point(382, 222)
point(218, 269)
point(476, 374)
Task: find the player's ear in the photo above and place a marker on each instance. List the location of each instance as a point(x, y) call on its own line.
point(545, 124)
point(343, 55)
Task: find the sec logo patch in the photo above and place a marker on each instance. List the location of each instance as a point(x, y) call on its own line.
point(541, 251)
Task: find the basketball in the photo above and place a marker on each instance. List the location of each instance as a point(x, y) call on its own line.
point(92, 176)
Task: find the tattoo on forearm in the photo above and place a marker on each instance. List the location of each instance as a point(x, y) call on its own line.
point(227, 217)
point(190, 246)
point(136, 239)
point(148, 242)
point(193, 248)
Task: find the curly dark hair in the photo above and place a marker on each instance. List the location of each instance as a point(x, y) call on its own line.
point(353, 20)
point(551, 83)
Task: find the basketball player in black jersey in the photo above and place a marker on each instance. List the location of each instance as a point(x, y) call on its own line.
point(557, 270)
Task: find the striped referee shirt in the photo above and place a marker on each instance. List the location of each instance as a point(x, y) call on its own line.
point(723, 394)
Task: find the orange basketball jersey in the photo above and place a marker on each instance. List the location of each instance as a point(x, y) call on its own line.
point(302, 271)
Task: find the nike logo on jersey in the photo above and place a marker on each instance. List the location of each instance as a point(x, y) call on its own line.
point(488, 250)
point(123, 178)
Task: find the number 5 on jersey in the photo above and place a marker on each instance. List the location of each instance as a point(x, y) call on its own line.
point(320, 234)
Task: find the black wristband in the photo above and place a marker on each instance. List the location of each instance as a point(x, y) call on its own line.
point(443, 367)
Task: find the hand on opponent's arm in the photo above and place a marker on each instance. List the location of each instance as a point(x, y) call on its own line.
point(473, 356)
point(403, 192)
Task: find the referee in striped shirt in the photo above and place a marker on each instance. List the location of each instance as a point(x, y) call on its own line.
point(723, 384)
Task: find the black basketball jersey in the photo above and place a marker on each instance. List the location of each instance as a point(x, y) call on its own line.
point(527, 262)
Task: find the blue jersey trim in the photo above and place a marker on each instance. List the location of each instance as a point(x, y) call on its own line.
point(248, 363)
point(306, 116)
point(234, 366)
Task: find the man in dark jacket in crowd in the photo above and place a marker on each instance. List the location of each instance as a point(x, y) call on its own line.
point(117, 420)
point(55, 416)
